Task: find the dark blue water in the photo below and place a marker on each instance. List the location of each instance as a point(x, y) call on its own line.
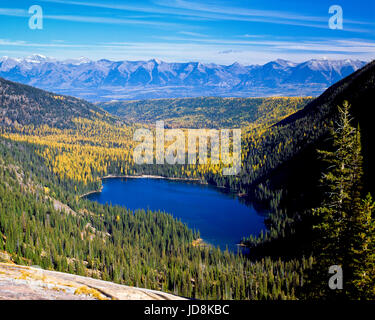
point(219, 216)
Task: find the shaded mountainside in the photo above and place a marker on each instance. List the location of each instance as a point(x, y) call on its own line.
point(24, 105)
point(359, 90)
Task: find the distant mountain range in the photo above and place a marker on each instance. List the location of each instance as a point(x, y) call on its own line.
point(105, 80)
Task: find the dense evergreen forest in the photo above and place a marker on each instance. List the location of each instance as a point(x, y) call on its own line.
point(45, 167)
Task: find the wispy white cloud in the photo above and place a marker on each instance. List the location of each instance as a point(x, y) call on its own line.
point(123, 7)
point(230, 12)
point(13, 12)
point(205, 10)
point(134, 20)
point(107, 20)
point(193, 34)
point(226, 11)
point(217, 51)
point(52, 44)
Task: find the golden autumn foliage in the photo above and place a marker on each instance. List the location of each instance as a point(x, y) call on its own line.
point(95, 148)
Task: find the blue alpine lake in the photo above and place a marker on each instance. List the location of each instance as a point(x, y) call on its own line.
point(220, 216)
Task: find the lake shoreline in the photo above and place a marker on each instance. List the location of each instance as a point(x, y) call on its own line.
point(91, 192)
point(149, 176)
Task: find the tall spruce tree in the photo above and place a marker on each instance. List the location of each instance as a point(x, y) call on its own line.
point(345, 228)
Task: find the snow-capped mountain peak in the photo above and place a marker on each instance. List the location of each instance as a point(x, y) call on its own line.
point(107, 80)
point(79, 61)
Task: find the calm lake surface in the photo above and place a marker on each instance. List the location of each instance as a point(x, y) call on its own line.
point(219, 215)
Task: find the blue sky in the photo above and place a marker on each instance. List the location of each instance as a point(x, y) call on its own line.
point(249, 31)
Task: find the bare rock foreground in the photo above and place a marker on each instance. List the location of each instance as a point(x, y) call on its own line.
point(30, 283)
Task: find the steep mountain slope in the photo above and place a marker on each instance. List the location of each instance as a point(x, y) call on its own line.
point(24, 105)
point(105, 80)
point(359, 90)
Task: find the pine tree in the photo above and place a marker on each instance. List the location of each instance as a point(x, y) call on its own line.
point(332, 216)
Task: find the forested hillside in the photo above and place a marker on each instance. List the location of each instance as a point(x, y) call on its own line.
point(24, 105)
point(207, 112)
